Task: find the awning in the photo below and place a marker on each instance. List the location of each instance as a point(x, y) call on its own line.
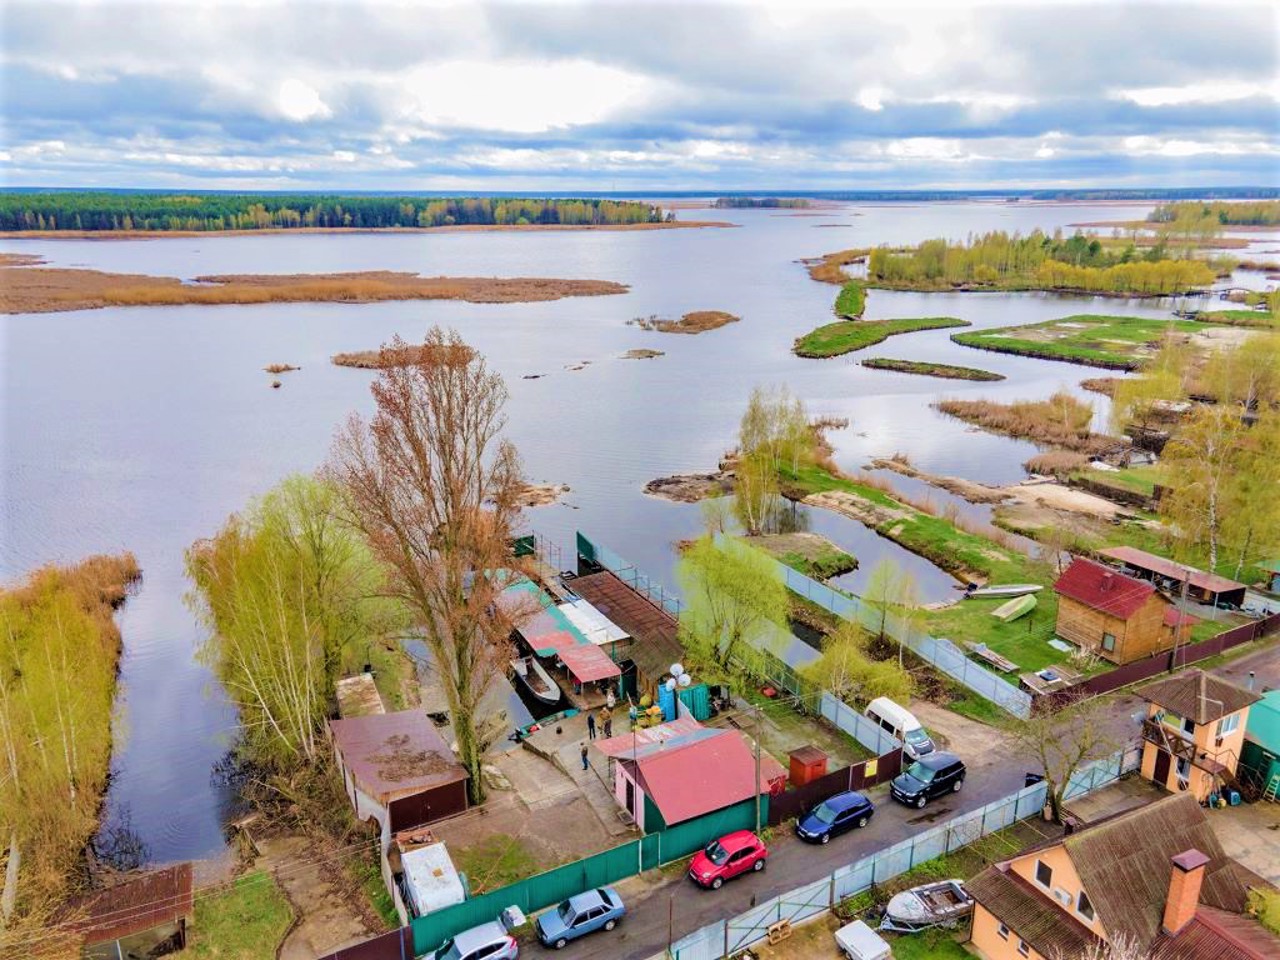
point(587, 662)
point(549, 643)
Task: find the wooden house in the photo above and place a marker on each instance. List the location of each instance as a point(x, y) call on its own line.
point(1194, 732)
point(1117, 617)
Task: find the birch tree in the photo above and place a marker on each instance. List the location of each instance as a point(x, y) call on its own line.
point(1200, 463)
point(732, 593)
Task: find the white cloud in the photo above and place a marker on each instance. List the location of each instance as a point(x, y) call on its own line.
point(1206, 92)
point(299, 101)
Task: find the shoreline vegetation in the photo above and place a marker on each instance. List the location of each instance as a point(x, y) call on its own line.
point(456, 228)
point(33, 289)
point(829, 267)
point(847, 336)
point(811, 554)
point(756, 203)
point(61, 648)
point(699, 321)
point(945, 371)
point(1093, 340)
point(400, 355)
point(1061, 422)
point(852, 300)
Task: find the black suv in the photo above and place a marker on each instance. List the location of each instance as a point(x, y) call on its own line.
point(931, 776)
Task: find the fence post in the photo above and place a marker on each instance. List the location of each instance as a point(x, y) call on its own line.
point(831, 891)
point(726, 938)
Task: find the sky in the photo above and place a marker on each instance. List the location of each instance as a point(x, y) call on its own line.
point(557, 96)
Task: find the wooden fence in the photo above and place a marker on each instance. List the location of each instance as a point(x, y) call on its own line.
point(1151, 666)
point(792, 803)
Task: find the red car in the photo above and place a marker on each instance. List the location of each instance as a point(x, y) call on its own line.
point(726, 858)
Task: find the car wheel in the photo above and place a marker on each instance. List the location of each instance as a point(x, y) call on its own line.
point(758, 866)
point(559, 944)
point(826, 838)
point(920, 802)
point(717, 883)
point(955, 787)
point(862, 821)
point(610, 924)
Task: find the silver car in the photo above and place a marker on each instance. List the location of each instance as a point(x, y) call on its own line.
point(489, 941)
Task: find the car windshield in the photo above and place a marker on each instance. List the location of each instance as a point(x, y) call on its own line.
point(921, 772)
point(917, 736)
point(716, 853)
point(825, 813)
point(565, 911)
point(448, 952)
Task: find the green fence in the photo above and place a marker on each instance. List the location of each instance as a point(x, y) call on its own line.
point(559, 883)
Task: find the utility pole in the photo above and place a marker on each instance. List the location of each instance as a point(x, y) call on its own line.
point(1182, 609)
point(759, 712)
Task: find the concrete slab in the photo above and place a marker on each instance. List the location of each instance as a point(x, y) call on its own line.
point(1250, 834)
point(537, 781)
point(1119, 797)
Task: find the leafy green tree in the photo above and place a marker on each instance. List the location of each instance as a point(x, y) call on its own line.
point(732, 593)
point(847, 670)
point(891, 591)
point(1202, 464)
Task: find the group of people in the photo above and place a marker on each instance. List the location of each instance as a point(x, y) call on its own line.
point(602, 721)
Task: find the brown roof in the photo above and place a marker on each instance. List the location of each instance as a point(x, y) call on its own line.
point(159, 897)
point(653, 630)
point(394, 755)
point(1103, 589)
point(1141, 560)
point(1032, 916)
point(1199, 696)
point(1124, 864)
point(1218, 935)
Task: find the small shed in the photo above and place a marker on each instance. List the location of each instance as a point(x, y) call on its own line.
point(1260, 755)
point(1272, 568)
point(431, 882)
point(1120, 618)
point(146, 916)
point(398, 769)
point(358, 696)
point(1205, 587)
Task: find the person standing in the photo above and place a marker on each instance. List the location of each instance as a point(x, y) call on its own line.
point(586, 764)
point(591, 726)
point(606, 715)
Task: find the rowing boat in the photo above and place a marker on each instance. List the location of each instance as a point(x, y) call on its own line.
point(536, 679)
point(1011, 610)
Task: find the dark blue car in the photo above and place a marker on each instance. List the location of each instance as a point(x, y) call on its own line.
point(834, 816)
point(599, 909)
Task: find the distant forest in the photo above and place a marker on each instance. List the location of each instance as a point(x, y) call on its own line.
point(75, 210)
point(1260, 213)
point(734, 203)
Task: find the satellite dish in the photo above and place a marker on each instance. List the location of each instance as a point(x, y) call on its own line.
point(671, 683)
point(676, 669)
point(684, 680)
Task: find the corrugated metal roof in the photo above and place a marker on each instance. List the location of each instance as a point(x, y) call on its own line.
point(643, 741)
point(1199, 696)
point(1029, 914)
point(703, 776)
point(588, 662)
point(395, 754)
point(536, 616)
point(593, 624)
point(1218, 935)
point(1264, 721)
point(135, 906)
point(1141, 560)
point(653, 629)
point(358, 696)
point(1125, 864)
point(1103, 589)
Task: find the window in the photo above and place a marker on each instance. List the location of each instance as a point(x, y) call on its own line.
point(1228, 724)
point(1084, 907)
point(1003, 931)
point(1044, 874)
point(1023, 948)
point(1108, 642)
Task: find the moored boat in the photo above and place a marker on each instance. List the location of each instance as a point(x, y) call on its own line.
point(536, 680)
point(1004, 590)
point(1011, 610)
point(928, 905)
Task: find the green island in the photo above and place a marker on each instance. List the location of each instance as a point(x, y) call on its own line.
point(852, 300)
point(944, 370)
point(1038, 261)
point(809, 553)
point(98, 211)
point(761, 203)
point(1113, 343)
point(1262, 320)
point(846, 336)
point(1246, 213)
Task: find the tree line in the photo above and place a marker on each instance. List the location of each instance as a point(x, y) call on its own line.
point(211, 212)
point(1256, 213)
point(1003, 261)
point(768, 203)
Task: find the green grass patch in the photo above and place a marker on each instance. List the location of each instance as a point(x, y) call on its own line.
point(846, 336)
point(944, 370)
point(822, 567)
point(968, 704)
point(936, 944)
point(497, 861)
point(368, 874)
point(1114, 343)
point(1141, 480)
point(852, 300)
point(1241, 318)
point(246, 921)
point(1025, 641)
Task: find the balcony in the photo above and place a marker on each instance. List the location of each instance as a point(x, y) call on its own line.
point(1168, 739)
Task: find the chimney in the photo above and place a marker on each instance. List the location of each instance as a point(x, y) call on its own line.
point(1184, 890)
point(1106, 581)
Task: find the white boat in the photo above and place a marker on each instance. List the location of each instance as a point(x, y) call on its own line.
point(1006, 590)
point(536, 680)
point(928, 905)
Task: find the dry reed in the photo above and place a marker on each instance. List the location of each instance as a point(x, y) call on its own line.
point(1061, 421)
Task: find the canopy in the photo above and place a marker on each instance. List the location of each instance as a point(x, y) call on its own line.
point(588, 662)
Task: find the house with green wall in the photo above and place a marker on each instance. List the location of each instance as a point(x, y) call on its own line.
point(1260, 754)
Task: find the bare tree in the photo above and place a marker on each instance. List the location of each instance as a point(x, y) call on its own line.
point(435, 492)
point(1118, 946)
point(1062, 741)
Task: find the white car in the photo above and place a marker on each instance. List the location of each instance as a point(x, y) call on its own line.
point(489, 941)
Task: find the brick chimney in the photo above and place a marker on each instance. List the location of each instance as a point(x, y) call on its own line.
point(1184, 890)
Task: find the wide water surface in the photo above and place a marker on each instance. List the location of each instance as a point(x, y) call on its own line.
point(143, 428)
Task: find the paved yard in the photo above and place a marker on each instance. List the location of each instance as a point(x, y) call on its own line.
point(1250, 833)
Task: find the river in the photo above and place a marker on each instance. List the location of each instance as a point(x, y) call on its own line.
point(143, 428)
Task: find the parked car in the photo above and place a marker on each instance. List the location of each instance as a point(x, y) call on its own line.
point(732, 855)
point(928, 777)
point(834, 816)
point(489, 941)
point(900, 723)
point(599, 909)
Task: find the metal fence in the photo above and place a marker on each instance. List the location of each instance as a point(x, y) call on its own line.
point(724, 938)
point(628, 573)
point(943, 654)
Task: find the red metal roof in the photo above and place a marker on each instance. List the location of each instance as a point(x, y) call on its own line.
point(138, 905)
point(1103, 589)
point(1141, 560)
point(704, 776)
point(394, 755)
point(645, 740)
point(1171, 617)
point(588, 663)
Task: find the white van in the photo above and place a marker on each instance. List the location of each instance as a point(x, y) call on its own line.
point(898, 722)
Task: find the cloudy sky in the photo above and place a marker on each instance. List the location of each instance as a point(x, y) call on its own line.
point(638, 96)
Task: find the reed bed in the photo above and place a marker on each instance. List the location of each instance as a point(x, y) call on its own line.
point(1061, 421)
point(699, 321)
point(397, 356)
point(1056, 463)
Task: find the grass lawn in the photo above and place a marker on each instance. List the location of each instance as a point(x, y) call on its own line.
point(852, 300)
point(1241, 318)
point(1025, 641)
point(1141, 480)
point(846, 336)
point(945, 371)
point(246, 921)
point(809, 553)
point(785, 729)
point(495, 862)
point(936, 944)
point(969, 704)
point(1117, 343)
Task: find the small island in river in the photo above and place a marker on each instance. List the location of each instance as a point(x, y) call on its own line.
point(699, 321)
point(846, 336)
point(945, 371)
